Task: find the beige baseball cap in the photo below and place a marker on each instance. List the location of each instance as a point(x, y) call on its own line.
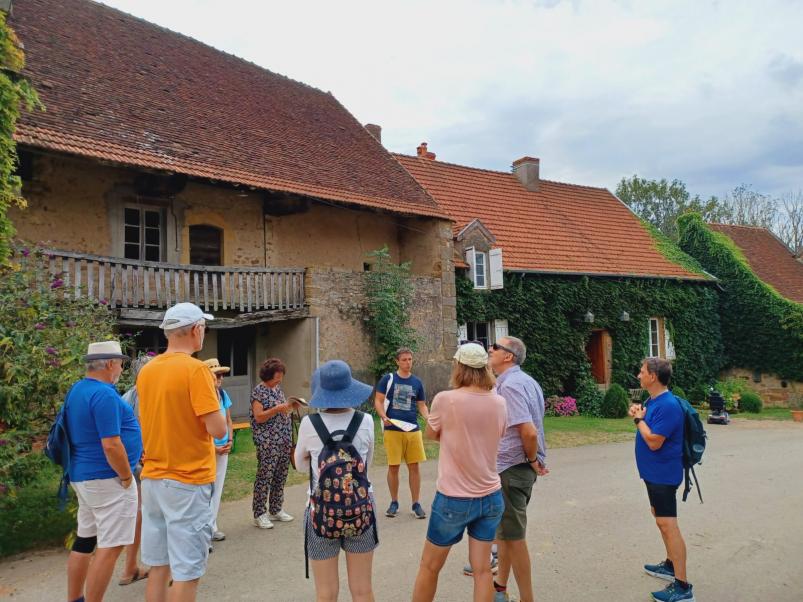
point(472, 355)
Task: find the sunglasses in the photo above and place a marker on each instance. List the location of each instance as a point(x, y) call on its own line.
point(497, 347)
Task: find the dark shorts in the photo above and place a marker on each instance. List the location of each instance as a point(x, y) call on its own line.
point(517, 488)
point(663, 499)
point(451, 516)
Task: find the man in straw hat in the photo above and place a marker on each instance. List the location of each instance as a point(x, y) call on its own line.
point(180, 414)
point(222, 445)
point(106, 444)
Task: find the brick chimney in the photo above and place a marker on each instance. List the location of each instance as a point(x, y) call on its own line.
point(527, 170)
point(375, 131)
point(422, 151)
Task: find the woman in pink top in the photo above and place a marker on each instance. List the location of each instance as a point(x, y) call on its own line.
point(468, 421)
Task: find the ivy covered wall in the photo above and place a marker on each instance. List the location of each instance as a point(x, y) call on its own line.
point(547, 312)
point(761, 330)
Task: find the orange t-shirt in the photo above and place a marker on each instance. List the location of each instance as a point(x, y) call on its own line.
point(174, 390)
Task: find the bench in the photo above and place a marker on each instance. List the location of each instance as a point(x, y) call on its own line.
point(236, 427)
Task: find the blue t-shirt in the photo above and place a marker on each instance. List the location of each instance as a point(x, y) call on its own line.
point(663, 466)
point(96, 411)
point(225, 404)
point(403, 397)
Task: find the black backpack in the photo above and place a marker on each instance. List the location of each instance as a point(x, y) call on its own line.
point(693, 445)
point(59, 450)
point(341, 504)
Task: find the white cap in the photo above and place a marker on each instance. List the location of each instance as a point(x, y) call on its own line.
point(183, 314)
point(472, 355)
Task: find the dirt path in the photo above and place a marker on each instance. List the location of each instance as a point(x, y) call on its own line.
point(590, 533)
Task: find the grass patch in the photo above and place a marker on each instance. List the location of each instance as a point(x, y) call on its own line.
point(30, 516)
point(765, 414)
point(571, 431)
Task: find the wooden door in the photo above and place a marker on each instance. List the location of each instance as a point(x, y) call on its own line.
point(236, 349)
point(599, 350)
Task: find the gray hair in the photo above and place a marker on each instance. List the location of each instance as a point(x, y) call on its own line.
point(519, 349)
point(182, 331)
point(137, 364)
point(93, 365)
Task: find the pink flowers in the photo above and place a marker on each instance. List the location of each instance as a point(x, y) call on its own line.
point(51, 351)
point(39, 326)
point(561, 406)
point(57, 283)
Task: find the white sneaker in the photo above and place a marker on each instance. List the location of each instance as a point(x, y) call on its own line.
point(263, 522)
point(218, 536)
point(281, 516)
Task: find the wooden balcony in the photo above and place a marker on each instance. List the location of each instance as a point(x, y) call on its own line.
point(131, 284)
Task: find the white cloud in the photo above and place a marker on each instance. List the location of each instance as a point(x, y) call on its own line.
point(599, 90)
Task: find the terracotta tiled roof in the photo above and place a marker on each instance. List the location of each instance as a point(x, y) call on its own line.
point(562, 228)
point(771, 260)
point(120, 89)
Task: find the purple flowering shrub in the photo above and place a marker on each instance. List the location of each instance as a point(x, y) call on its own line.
point(561, 406)
point(44, 334)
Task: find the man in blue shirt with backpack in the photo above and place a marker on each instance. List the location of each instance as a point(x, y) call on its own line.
point(659, 457)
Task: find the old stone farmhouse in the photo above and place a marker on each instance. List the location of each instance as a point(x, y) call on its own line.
point(165, 170)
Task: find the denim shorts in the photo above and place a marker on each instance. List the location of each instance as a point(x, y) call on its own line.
point(176, 526)
point(452, 515)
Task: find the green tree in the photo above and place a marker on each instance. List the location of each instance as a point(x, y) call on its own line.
point(661, 202)
point(14, 91)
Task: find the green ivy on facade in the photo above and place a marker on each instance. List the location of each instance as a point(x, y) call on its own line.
point(761, 330)
point(547, 313)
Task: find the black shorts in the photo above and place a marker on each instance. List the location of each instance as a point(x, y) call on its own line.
point(663, 499)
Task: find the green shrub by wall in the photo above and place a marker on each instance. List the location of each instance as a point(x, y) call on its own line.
point(615, 403)
point(679, 392)
point(547, 312)
point(750, 402)
point(761, 330)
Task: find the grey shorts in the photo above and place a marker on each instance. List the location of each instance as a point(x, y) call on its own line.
point(176, 526)
point(323, 548)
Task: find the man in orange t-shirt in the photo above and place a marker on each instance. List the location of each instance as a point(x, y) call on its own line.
point(179, 412)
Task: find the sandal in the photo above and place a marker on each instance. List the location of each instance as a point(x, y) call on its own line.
point(140, 574)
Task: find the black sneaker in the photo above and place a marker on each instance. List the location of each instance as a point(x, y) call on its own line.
point(660, 570)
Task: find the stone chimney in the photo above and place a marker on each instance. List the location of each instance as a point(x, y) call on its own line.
point(375, 131)
point(527, 170)
point(422, 151)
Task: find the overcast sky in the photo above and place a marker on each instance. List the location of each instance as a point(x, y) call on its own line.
point(707, 92)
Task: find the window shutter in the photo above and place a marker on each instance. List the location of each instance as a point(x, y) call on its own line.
point(500, 329)
point(462, 333)
point(470, 254)
point(670, 348)
point(495, 260)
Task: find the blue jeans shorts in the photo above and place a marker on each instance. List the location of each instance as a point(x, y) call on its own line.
point(453, 515)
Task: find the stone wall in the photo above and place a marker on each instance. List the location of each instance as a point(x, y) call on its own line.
point(337, 298)
point(774, 391)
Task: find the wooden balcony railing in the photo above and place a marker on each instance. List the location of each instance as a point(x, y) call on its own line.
point(127, 283)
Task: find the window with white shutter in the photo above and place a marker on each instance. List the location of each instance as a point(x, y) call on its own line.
point(500, 329)
point(495, 261)
point(670, 348)
point(480, 267)
point(462, 333)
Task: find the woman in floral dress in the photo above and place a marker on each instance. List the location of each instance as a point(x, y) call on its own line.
point(271, 426)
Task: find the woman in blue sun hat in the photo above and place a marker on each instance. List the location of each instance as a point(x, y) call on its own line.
point(336, 395)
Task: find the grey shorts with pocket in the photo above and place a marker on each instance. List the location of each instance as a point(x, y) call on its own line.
point(176, 526)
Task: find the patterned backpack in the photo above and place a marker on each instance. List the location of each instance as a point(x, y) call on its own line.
point(340, 504)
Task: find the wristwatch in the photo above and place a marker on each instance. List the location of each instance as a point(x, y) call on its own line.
point(637, 420)
point(529, 461)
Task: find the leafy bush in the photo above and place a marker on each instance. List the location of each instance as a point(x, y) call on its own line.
point(615, 403)
point(699, 394)
point(750, 402)
point(679, 392)
point(44, 334)
point(589, 397)
point(732, 389)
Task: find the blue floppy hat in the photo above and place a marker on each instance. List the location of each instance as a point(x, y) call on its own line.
point(333, 387)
